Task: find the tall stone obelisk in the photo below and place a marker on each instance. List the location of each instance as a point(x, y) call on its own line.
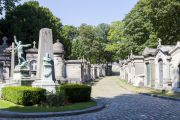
point(45, 47)
point(45, 65)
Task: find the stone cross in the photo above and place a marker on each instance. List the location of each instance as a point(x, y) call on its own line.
point(4, 40)
point(34, 44)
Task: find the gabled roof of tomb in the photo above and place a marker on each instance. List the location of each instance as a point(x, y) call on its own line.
point(175, 48)
point(32, 50)
point(74, 61)
point(149, 52)
point(164, 49)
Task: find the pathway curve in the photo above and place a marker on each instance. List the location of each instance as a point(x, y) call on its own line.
point(124, 105)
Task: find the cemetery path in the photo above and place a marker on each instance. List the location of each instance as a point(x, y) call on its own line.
point(124, 105)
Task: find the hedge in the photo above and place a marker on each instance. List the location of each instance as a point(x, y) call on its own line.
point(75, 92)
point(24, 95)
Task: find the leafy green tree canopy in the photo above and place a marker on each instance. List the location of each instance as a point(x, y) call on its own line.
point(26, 20)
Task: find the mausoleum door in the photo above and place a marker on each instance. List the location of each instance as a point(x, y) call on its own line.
point(148, 73)
point(160, 72)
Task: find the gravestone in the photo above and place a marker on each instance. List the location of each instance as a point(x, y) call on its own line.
point(45, 51)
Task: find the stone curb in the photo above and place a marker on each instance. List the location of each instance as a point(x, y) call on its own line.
point(159, 96)
point(9, 114)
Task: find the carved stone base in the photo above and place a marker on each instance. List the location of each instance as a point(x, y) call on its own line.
point(50, 86)
point(21, 74)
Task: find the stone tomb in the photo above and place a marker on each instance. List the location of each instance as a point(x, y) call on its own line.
point(45, 65)
point(77, 71)
point(149, 65)
point(175, 68)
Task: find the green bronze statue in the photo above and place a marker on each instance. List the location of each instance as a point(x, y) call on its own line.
point(19, 48)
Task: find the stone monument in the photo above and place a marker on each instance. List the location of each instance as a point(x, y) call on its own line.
point(47, 68)
point(45, 47)
point(45, 65)
point(21, 71)
point(59, 62)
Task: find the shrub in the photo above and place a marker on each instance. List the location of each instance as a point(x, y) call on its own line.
point(55, 99)
point(24, 95)
point(75, 92)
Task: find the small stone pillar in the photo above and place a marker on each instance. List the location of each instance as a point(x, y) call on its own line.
point(59, 62)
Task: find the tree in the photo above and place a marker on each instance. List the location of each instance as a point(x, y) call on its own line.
point(26, 20)
point(7, 5)
point(115, 33)
point(90, 43)
point(69, 33)
point(86, 39)
point(116, 39)
point(164, 16)
point(150, 20)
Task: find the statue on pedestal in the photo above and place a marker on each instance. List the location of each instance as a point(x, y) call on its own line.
point(19, 47)
point(21, 71)
point(47, 67)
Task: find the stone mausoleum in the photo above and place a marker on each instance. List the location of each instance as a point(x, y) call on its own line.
point(157, 68)
point(46, 64)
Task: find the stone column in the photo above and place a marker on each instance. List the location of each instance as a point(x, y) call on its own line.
point(45, 47)
point(45, 65)
point(12, 59)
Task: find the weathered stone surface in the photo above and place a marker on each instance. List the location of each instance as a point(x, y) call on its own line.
point(59, 62)
point(45, 46)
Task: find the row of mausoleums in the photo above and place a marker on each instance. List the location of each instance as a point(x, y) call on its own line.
point(157, 68)
point(71, 71)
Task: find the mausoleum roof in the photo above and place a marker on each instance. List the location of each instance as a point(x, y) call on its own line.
point(175, 48)
point(74, 61)
point(32, 50)
point(58, 47)
point(165, 49)
point(149, 52)
point(137, 57)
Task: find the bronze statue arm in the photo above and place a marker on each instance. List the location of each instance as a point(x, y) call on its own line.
point(15, 40)
point(27, 45)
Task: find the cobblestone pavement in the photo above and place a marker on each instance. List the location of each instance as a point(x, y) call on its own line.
point(124, 105)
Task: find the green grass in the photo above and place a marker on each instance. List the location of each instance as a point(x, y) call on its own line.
point(130, 87)
point(5, 105)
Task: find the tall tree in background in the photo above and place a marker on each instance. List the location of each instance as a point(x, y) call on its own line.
point(165, 17)
point(91, 42)
point(26, 20)
point(7, 5)
point(116, 41)
point(150, 20)
point(69, 33)
point(83, 45)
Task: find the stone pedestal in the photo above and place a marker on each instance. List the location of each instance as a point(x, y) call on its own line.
point(21, 74)
point(46, 80)
point(50, 86)
point(22, 77)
